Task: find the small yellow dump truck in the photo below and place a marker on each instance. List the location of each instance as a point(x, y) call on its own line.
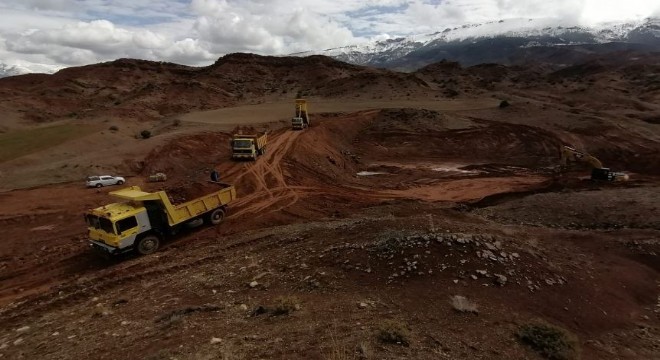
point(144, 219)
point(248, 146)
point(301, 118)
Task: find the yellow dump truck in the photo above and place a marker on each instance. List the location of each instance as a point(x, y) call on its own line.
point(144, 219)
point(248, 146)
point(301, 119)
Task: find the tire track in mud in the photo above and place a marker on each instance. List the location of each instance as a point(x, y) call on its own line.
point(269, 163)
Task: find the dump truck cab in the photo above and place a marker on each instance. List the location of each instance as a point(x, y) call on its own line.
point(243, 148)
point(301, 119)
point(297, 123)
point(248, 146)
point(114, 228)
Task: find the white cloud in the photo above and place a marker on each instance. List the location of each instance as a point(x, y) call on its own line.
point(196, 32)
point(85, 42)
point(280, 27)
point(186, 51)
point(612, 10)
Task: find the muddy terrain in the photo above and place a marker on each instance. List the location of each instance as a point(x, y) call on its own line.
point(431, 225)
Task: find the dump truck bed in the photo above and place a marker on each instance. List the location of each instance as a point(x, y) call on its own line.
point(177, 214)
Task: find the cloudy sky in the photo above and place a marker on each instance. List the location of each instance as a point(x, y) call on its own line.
point(196, 32)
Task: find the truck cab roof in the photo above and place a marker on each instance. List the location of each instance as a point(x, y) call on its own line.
point(116, 211)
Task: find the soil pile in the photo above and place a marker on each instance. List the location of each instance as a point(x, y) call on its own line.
point(189, 158)
point(181, 193)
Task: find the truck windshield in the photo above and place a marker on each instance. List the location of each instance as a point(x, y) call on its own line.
point(242, 143)
point(92, 221)
point(106, 225)
point(100, 223)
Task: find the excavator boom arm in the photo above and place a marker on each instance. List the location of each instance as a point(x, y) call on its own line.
point(569, 154)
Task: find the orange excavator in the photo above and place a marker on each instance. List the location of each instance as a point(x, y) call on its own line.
point(598, 172)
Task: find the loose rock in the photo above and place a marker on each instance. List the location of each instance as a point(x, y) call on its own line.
point(23, 329)
point(500, 279)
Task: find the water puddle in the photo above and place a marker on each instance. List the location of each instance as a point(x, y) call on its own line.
point(455, 169)
point(370, 173)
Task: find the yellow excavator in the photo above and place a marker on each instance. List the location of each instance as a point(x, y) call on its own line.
point(598, 172)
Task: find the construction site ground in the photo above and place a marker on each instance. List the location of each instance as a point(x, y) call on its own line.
point(377, 215)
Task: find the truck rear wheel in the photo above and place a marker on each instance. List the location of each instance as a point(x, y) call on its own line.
point(147, 245)
point(216, 216)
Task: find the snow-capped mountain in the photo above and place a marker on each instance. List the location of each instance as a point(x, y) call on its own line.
point(504, 41)
point(18, 69)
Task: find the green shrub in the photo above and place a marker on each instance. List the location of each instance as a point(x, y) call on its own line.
point(551, 342)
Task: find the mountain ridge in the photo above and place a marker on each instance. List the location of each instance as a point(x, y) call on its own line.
point(511, 40)
point(507, 42)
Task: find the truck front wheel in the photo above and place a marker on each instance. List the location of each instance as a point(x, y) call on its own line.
point(216, 216)
point(147, 245)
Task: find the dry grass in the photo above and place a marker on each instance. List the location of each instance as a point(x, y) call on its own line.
point(462, 304)
point(341, 351)
point(285, 305)
point(230, 352)
point(338, 350)
point(394, 332)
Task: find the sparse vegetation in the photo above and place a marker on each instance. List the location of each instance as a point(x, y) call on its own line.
point(177, 315)
point(338, 350)
point(462, 304)
point(451, 93)
point(504, 104)
point(284, 305)
point(14, 144)
point(145, 134)
point(176, 122)
point(393, 332)
point(551, 342)
point(113, 128)
point(364, 350)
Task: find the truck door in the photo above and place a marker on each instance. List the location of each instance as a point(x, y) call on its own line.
point(127, 229)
